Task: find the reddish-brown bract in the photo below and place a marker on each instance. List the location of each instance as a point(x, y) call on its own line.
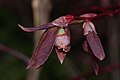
point(41, 27)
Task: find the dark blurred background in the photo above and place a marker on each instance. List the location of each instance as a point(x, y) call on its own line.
point(36, 12)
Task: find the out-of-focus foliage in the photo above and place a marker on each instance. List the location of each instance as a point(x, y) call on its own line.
point(12, 36)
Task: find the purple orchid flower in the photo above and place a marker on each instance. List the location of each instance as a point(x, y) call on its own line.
point(57, 34)
point(92, 43)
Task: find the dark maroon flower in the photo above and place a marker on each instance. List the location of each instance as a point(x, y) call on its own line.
point(93, 40)
point(92, 44)
point(92, 37)
point(57, 34)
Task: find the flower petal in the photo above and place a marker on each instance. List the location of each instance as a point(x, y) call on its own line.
point(95, 45)
point(67, 31)
point(88, 27)
point(63, 39)
point(61, 55)
point(32, 29)
point(95, 64)
point(43, 48)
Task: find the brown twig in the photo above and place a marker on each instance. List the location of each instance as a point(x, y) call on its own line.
point(95, 9)
point(103, 12)
point(14, 53)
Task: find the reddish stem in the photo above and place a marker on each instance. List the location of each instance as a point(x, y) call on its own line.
point(106, 69)
point(104, 12)
point(14, 53)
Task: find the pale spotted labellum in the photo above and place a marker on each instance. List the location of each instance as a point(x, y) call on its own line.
point(95, 64)
point(62, 43)
point(58, 34)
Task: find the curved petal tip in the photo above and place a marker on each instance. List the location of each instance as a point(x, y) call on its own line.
point(27, 29)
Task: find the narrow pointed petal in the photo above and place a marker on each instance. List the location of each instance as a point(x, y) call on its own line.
point(43, 48)
point(32, 29)
point(95, 45)
point(95, 67)
point(32, 61)
point(61, 55)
